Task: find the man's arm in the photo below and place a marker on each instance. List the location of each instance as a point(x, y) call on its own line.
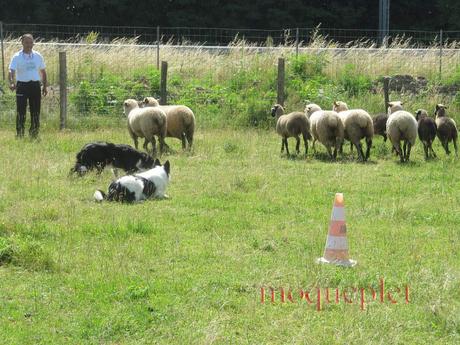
point(11, 84)
point(45, 82)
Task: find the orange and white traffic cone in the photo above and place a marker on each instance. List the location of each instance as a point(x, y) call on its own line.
point(336, 251)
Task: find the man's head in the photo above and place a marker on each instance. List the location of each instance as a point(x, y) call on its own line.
point(27, 41)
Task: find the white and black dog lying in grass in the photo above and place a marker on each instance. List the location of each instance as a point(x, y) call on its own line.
point(99, 154)
point(142, 186)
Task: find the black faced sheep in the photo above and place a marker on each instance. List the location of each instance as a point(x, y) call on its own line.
point(447, 129)
point(426, 131)
point(291, 125)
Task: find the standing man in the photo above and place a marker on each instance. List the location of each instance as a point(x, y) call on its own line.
point(27, 66)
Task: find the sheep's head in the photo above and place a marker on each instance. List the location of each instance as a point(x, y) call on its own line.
point(395, 106)
point(440, 110)
point(420, 114)
point(129, 105)
point(311, 108)
point(150, 102)
point(339, 106)
point(277, 110)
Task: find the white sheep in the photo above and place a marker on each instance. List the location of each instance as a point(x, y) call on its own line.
point(401, 125)
point(313, 112)
point(447, 128)
point(357, 124)
point(180, 121)
point(145, 123)
point(326, 127)
point(394, 106)
point(291, 125)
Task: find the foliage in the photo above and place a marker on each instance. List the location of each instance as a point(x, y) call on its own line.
point(102, 94)
point(307, 66)
point(354, 82)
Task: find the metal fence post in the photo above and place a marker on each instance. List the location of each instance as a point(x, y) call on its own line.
point(62, 90)
point(296, 42)
point(386, 91)
point(440, 54)
point(164, 77)
point(3, 51)
point(158, 47)
point(280, 87)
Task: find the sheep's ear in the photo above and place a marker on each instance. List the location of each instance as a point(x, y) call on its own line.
point(157, 162)
point(437, 107)
point(167, 167)
point(402, 103)
point(390, 104)
point(146, 100)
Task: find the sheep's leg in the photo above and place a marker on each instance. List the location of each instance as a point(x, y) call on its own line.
point(351, 146)
point(384, 138)
point(425, 148)
point(305, 142)
point(313, 145)
point(297, 144)
point(359, 149)
point(282, 145)
point(146, 145)
point(286, 144)
point(432, 151)
point(184, 141)
point(190, 140)
point(397, 148)
point(368, 148)
point(136, 142)
point(405, 149)
point(409, 146)
point(447, 147)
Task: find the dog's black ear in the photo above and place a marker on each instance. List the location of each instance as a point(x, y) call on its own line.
point(167, 167)
point(157, 162)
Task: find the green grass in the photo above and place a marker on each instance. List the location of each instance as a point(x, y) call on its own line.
point(188, 270)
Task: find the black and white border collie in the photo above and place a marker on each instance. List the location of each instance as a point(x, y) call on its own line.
point(97, 155)
point(131, 188)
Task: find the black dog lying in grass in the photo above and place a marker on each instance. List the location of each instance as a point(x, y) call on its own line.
point(98, 155)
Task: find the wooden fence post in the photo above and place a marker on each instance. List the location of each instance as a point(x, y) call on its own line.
point(386, 91)
point(164, 77)
point(3, 52)
point(62, 90)
point(158, 47)
point(280, 88)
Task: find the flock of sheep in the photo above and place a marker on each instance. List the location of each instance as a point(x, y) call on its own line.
point(147, 119)
point(332, 127)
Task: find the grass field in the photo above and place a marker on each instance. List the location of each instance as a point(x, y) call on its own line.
point(189, 270)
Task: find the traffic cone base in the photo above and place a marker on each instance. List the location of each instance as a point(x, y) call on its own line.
point(336, 251)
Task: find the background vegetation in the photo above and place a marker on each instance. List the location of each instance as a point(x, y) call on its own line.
point(260, 14)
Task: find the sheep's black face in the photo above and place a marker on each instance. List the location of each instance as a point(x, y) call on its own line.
point(274, 109)
point(147, 161)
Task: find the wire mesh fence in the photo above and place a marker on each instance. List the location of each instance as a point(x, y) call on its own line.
point(106, 65)
point(219, 36)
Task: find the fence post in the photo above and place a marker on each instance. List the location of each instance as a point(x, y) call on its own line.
point(296, 42)
point(62, 90)
point(386, 91)
point(280, 88)
point(440, 54)
point(3, 52)
point(164, 77)
point(158, 47)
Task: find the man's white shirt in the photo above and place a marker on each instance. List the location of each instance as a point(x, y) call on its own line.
point(27, 66)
